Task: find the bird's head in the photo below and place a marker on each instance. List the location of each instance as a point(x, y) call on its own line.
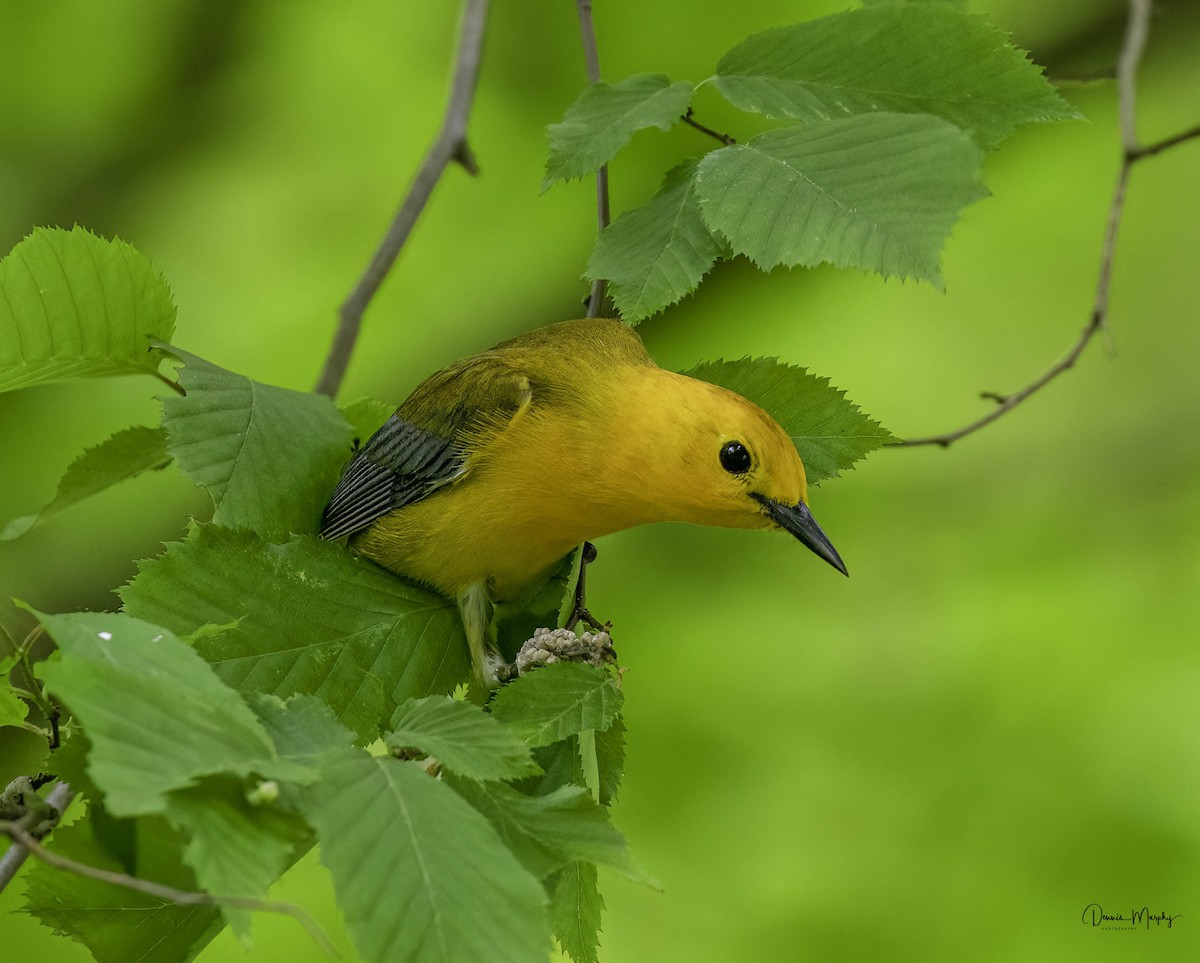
point(742, 469)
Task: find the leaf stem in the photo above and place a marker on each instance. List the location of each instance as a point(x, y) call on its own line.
point(691, 121)
point(1136, 32)
point(591, 57)
point(450, 146)
point(173, 385)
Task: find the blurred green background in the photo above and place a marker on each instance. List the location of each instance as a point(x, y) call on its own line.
point(992, 724)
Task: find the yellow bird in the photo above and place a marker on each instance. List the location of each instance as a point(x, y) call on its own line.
point(500, 464)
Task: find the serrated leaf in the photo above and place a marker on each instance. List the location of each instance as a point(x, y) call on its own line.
point(605, 116)
point(657, 253)
point(117, 924)
point(311, 617)
point(268, 456)
point(156, 715)
point(234, 848)
point(830, 432)
point(562, 764)
point(73, 305)
point(878, 192)
point(915, 58)
point(420, 876)
point(557, 701)
point(547, 832)
point(576, 907)
point(610, 760)
point(125, 455)
point(462, 737)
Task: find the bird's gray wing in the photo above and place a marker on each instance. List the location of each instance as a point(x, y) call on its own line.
point(399, 465)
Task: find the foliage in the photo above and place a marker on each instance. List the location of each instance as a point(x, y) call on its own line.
point(260, 668)
point(896, 103)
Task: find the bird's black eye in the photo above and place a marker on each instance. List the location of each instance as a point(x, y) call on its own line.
point(734, 458)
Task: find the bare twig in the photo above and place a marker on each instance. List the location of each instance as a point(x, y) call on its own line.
point(1149, 150)
point(450, 145)
point(691, 121)
point(14, 857)
point(591, 56)
point(25, 841)
point(1131, 152)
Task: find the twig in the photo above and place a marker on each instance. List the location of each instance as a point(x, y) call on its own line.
point(14, 857)
point(1149, 150)
point(591, 56)
point(22, 838)
point(691, 121)
point(450, 145)
point(1131, 152)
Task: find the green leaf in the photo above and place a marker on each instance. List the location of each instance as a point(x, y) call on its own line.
point(366, 416)
point(234, 848)
point(125, 455)
point(268, 456)
point(13, 708)
point(120, 925)
point(117, 837)
point(878, 192)
point(155, 713)
point(576, 907)
point(302, 727)
point(656, 254)
point(562, 764)
point(557, 701)
point(610, 759)
point(605, 116)
point(916, 58)
point(21, 753)
point(830, 432)
point(462, 737)
point(73, 305)
point(310, 617)
point(419, 875)
point(547, 832)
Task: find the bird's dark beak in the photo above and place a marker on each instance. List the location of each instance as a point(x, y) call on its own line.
point(798, 520)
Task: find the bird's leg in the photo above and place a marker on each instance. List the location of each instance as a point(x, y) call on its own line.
point(579, 612)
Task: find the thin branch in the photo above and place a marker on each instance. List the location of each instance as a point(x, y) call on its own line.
point(14, 857)
point(691, 121)
point(1131, 152)
point(591, 57)
point(22, 838)
point(450, 145)
point(1149, 150)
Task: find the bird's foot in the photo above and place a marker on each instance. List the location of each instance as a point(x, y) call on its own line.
point(580, 613)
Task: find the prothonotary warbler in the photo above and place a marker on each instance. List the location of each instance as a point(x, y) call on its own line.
point(500, 464)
